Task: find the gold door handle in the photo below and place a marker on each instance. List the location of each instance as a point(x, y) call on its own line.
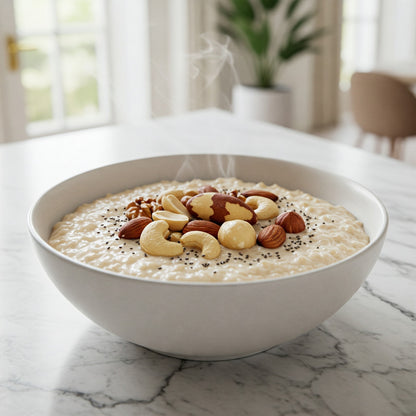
point(13, 49)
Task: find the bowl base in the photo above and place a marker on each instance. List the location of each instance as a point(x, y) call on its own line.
point(207, 357)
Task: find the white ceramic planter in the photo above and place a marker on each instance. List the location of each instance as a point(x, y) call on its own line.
point(273, 105)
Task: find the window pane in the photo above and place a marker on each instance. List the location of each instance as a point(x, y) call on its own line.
point(79, 73)
point(359, 38)
point(366, 45)
point(367, 9)
point(37, 78)
point(77, 11)
point(33, 15)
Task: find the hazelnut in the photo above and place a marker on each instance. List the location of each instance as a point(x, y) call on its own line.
point(291, 221)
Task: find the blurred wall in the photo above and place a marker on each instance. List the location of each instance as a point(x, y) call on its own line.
point(2, 133)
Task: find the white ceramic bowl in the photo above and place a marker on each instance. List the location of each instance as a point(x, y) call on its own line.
point(207, 321)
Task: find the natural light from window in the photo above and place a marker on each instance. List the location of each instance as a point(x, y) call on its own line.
point(377, 35)
point(64, 69)
point(359, 38)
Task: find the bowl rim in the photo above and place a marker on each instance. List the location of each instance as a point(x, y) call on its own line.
point(44, 244)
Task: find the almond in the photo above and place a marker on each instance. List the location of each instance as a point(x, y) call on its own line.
point(202, 225)
point(291, 221)
point(272, 236)
point(260, 192)
point(207, 188)
point(134, 228)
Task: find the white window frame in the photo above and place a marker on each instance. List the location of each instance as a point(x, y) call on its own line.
point(12, 107)
point(128, 58)
point(359, 22)
point(60, 123)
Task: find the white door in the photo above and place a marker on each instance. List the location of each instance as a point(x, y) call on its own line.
point(54, 64)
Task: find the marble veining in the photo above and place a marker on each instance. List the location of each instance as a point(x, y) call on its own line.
point(54, 361)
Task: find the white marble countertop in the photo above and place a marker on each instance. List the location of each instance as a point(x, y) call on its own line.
point(54, 361)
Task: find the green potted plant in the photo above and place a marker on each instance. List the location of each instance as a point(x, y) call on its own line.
point(251, 25)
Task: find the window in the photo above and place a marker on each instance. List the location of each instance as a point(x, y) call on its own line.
point(378, 34)
point(64, 63)
point(360, 29)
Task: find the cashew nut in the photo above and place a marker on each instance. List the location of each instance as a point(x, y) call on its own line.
point(176, 221)
point(264, 208)
point(208, 244)
point(153, 240)
point(237, 235)
point(173, 204)
point(175, 237)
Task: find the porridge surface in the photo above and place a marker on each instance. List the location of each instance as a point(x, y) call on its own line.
point(90, 235)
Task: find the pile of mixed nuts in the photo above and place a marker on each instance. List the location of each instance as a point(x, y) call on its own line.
point(206, 219)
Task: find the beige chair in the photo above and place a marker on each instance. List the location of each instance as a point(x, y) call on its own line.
point(383, 106)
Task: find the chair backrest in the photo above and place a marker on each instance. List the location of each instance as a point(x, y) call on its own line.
point(383, 105)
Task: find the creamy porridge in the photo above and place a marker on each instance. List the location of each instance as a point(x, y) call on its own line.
point(327, 233)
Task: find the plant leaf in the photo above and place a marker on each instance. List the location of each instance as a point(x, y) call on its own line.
point(225, 11)
point(257, 40)
point(244, 9)
point(270, 4)
point(289, 51)
point(293, 5)
point(293, 47)
point(228, 31)
point(312, 36)
point(301, 22)
point(261, 39)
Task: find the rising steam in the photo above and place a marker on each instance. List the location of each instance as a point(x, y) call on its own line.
point(217, 165)
point(212, 59)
